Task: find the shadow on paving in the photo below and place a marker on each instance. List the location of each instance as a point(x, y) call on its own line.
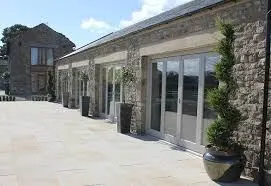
point(242, 181)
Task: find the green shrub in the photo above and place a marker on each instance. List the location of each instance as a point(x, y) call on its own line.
point(221, 132)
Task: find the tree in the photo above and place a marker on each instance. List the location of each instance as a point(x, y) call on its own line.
point(51, 86)
point(8, 34)
point(221, 132)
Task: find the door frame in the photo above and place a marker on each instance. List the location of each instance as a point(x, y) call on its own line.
point(107, 67)
point(197, 146)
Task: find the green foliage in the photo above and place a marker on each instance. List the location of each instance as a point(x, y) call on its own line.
point(126, 76)
point(51, 83)
point(6, 75)
point(84, 76)
point(220, 132)
point(8, 34)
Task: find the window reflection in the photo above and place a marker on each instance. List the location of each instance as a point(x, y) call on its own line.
point(172, 86)
point(171, 107)
point(209, 115)
point(110, 91)
point(157, 69)
point(103, 89)
point(190, 98)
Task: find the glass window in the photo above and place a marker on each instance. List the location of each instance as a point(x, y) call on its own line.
point(34, 56)
point(103, 89)
point(190, 98)
point(110, 105)
point(210, 82)
point(50, 57)
point(172, 86)
point(172, 80)
point(157, 69)
point(42, 56)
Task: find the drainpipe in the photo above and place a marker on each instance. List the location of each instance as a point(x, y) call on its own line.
point(265, 98)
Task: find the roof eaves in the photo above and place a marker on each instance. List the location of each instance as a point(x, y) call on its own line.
point(188, 13)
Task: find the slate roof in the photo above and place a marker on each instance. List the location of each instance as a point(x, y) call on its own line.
point(180, 11)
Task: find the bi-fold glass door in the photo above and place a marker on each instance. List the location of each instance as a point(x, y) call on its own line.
point(178, 111)
point(111, 91)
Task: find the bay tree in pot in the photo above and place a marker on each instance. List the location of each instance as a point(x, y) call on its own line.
point(84, 100)
point(124, 110)
point(65, 92)
point(224, 159)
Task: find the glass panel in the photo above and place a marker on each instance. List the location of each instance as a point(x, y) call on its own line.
point(210, 82)
point(50, 56)
point(34, 56)
point(103, 89)
point(157, 69)
point(172, 81)
point(82, 87)
point(78, 87)
point(190, 99)
point(117, 84)
point(110, 104)
point(43, 56)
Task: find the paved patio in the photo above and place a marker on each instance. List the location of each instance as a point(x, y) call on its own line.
point(44, 144)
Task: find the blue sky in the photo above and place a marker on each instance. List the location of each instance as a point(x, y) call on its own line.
point(82, 21)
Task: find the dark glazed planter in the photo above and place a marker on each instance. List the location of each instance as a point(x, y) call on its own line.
point(51, 98)
point(222, 166)
point(84, 105)
point(124, 117)
point(65, 99)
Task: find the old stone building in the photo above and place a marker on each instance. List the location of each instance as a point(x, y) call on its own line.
point(31, 55)
point(172, 56)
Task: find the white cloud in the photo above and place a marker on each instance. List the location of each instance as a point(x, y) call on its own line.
point(151, 8)
point(96, 25)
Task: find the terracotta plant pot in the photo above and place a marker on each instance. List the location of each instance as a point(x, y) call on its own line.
point(222, 166)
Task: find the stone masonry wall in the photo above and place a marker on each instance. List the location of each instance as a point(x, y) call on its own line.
point(20, 56)
point(249, 74)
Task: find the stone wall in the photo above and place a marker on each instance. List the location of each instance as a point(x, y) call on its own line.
point(249, 74)
point(22, 72)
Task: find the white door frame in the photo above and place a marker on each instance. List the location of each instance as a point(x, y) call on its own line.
point(194, 146)
point(107, 67)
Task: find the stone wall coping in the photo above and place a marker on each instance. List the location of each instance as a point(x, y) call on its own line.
point(117, 56)
point(63, 67)
point(80, 63)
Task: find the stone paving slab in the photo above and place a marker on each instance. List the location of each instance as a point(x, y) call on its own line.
point(44, 144)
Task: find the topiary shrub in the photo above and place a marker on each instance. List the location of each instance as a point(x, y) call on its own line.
point(221, 132)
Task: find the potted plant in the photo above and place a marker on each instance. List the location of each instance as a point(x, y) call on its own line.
point(51, 87)
point(224, 159)
point(65, 93)
point(84, 100)
point(124, 110)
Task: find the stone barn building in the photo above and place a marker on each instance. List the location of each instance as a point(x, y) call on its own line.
point(31, 55)
point(173, 58)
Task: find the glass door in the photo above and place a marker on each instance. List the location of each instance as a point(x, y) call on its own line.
point(178, 111)
point(171, 98)
point(190, 83)
point(156, 96)
point(111, 93)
